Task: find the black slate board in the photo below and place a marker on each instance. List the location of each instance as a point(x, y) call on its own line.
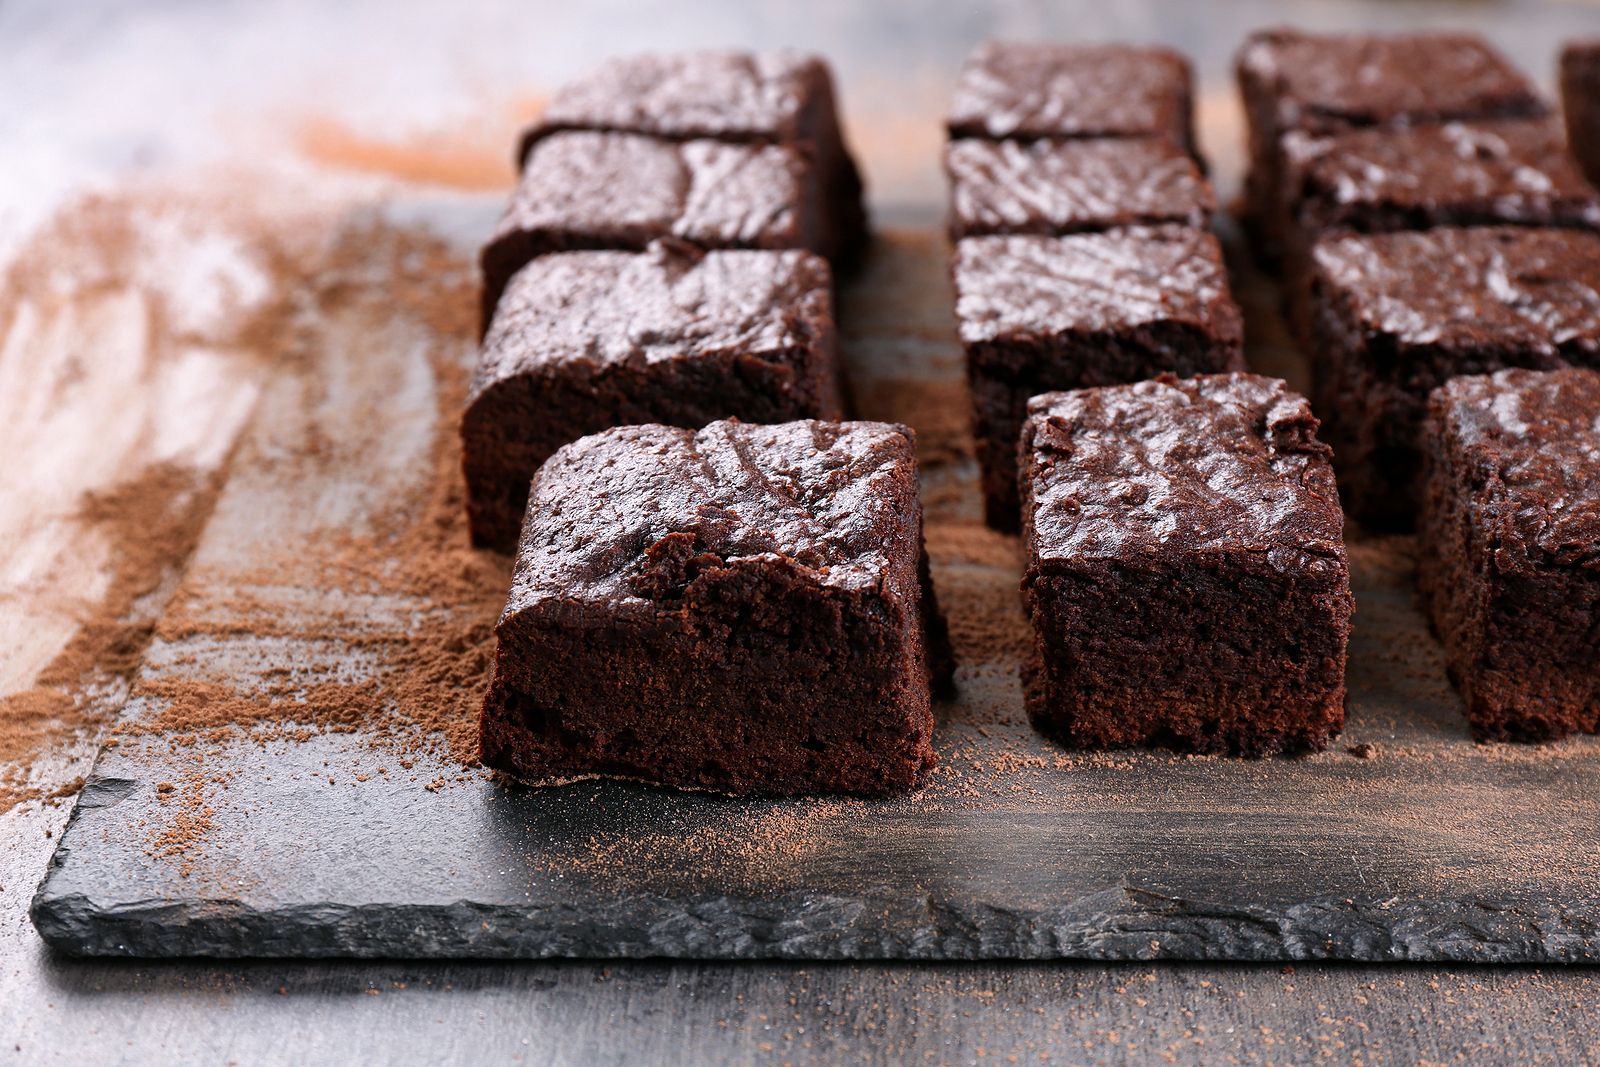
point(1431, 849)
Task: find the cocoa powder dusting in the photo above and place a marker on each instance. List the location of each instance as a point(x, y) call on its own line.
point(421, 674)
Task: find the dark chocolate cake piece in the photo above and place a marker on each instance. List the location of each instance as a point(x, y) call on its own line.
point(1186, 580)
point(587, 340)
point(1033, 91)
point(739, 608)
point(1510, 548)
point(1492, 172)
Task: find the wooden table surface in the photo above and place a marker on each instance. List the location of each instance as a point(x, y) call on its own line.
point(109, 368)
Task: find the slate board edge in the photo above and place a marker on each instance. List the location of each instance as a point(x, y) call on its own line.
point(1126, 923)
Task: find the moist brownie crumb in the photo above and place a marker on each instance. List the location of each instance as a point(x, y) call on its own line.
point(1057, 187)
point(1395, 315)
point(1042, 313)
point(1510, 530)
point(1187, 580)
point(587, 340)
point(740, 608)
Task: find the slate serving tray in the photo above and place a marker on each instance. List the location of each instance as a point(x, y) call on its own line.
point(1404, 842)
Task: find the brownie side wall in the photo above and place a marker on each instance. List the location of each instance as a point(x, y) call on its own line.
point(756, 679)
point(512, 427)
point(1522, 640)
point(1214, 654)
point(1004, 374)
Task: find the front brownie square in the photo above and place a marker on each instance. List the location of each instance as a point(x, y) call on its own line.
point(739, 608)
point(587, 340)
point(1510, 548)
point(1059, 187)
point(1395, 315)
point(1186, 580)
point(1323, 84)
point(616, 190)
point(1037, 314)
point(1030, 92)
point(773, 97)
point(1580, 102)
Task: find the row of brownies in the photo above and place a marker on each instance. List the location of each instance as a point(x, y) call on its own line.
point(1186, 575)
point(721, 585)
point(718, 584)
point(1441, 266)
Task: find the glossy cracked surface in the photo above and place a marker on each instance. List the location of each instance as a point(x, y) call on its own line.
point(1068, 186)
point(1537, 290)
point(1513, 170)
point(628, 188)
point(1030, 91)
point(668, 303)
point(1227, 462)
point(1032, 285)
point(616, 517)
point(724, 94)
point(1537, 435)
point(1322, 82)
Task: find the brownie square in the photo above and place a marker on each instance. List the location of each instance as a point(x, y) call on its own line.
point(1324, 84)
point(740, 608)
point(1186, 581)
point(1580, 102)
point(1510, 538)
point(1059, 187)
point(1033, 91)
point(770, 97)
point(1496, 171)
point(584, 190)
point(1393, 316)
point(587, 340)
point(1041, 313)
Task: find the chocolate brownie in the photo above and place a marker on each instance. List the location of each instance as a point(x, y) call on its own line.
point(1580, 102)
point(1395, 315)
point(585, 190)
point(1186, 580)
point(739, 608)
point(1496, 171)
point(1057, 187)
point(1041, 313)
point(1323, 84)
point(1034, 91)
point(775, 97)
point(1510, 539)
point(587, 340)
